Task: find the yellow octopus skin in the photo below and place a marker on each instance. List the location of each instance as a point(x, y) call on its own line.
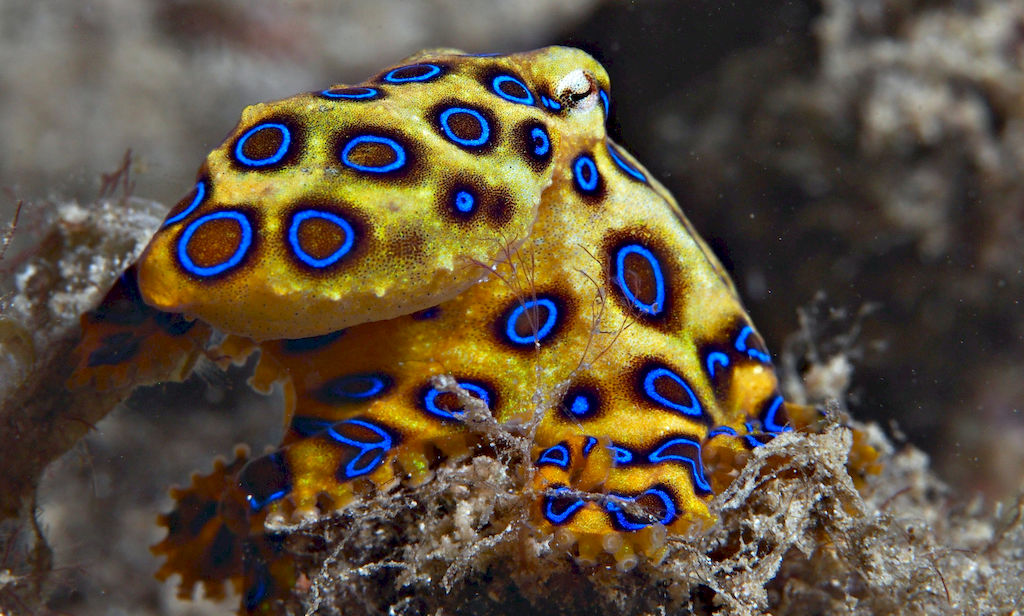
point(455, 217)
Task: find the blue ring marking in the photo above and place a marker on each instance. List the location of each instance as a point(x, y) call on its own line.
point(352, 470)
point(200, 195)
point(605, 101)
point(331, 259)
point(541, 142)
point(308, 426)
point(366, 93)
point(286, 140)
point(620, 455)
point(368, 385)
point(312, 343)
point(585, 163)
point(749, 437)
point(433, 71)
point(612, 507)
point(696, 466)
point(557, 455)
point(256, 504)
point(560, 518)
point(426, 314)
point(741, 346)
point(716, 358)
point(396, 164)
point(650, 379)
point(588, 445)
point(464, 201)
point(430, 400)
point(581, 405)
point(769, 418)
point(485, 128)
point(235, 259)
point(658, 305)
point(522, 100)
point(625, 166)
point(720, 430)
point(255, 595)
point(550, 103)
point(542, 331)
point(277, 460)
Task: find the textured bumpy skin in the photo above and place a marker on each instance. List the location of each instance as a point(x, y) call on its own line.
point(455, 236)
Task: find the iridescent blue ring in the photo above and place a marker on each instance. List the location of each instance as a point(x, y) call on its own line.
point(558, 456)
point(542, 331)
point(464, 201)
point(620, 455)
point(580, 406)
point(200, 195)
point(331, 259)
point(541, 141)
point(497, 82)
point(432, 71)
point(742, 347)
point(286, 140)
point(430, 400)
point(695, 464)
point(584, 171)
point(485, 128)
point(625, 166)
point(372, 384)
point(716, 358)
point(366, 93)
point(232, 261)
point(353, 469)
point(615, 509)
point(650, 379)
point(396, 147)
point(769, 422)
point(564, 515)
point(658, 305)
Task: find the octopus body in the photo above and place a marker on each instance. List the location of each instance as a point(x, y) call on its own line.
point(455, 238)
